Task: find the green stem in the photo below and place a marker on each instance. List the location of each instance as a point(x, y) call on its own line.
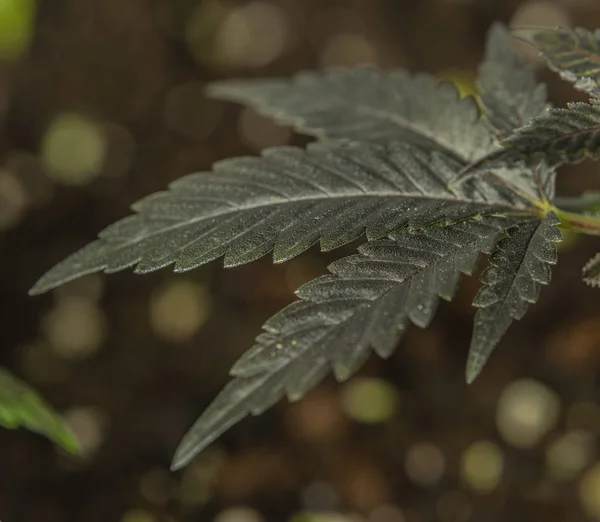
point(579, 222)
point(588, 201)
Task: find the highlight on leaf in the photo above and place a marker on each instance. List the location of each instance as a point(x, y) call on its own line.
point(22, 407)
point(573, 53)
point(369, 106)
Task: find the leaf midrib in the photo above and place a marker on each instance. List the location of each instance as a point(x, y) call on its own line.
point(279, 203)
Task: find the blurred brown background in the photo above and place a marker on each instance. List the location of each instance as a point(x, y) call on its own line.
point(101, 103)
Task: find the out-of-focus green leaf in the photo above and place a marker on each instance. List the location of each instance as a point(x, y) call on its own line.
point(16, 27)
point(22, 407)
point(573, 53)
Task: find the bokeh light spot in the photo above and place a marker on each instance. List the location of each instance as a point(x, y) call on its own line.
point(74, 149)
point(369, 400)
point(481, 466)
point(589, 491)
point(89, 424)
point(567, 456)
point(14, 200)
point(17, 19)
point(424, 464)
point(178, 310)
point(526, 411)
point(75, 328)
point(248, 36)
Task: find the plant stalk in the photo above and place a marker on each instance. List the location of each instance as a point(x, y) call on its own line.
point(582, 223)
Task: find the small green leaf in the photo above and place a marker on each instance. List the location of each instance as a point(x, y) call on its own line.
point(591, 271)
point(22, 407)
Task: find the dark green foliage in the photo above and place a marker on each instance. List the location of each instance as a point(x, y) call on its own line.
point(287, 200)
point(520, 263)
point(387, 163)
point(509, 92)
point(366, 302)
point(367, 105)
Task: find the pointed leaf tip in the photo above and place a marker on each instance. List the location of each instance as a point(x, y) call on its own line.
point(177, 464)
point(184, 454)
point(475, 364)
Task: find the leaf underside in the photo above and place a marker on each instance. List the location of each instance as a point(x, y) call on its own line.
point(21, 406)
point(519, 264)
point(573, 53)
point(368, 105)
point(367, 301)
point(285, 201)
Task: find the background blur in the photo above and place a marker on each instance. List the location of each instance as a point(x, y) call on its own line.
point(101, 103)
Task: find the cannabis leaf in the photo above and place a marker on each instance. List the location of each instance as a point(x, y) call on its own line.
point(574, 54)
point(366, 301)
point(286, 201)
point(558, 137)
point(367, 105)
point(520, 263)
point(508, 88)
point(394, 150)
point(21, 406)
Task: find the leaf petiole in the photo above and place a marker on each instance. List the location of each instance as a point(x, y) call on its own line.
point(585, 224)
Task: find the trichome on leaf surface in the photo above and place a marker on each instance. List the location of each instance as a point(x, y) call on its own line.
point(431, 179)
